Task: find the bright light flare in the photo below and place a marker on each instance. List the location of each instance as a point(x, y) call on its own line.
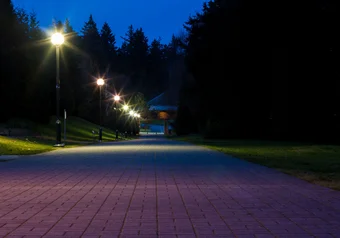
point(116, 98)
point(125, 107)
point(100, 82)
point(57, 39)
point(131, 113)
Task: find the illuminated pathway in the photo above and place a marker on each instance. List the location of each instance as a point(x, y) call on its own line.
point(153, 187)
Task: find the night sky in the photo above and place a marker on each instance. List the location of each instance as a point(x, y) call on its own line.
point(158, 18)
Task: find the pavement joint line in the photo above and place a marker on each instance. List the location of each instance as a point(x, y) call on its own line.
point(127, 209)
point(35, 196)
point(44, 206)
point(156, 188)
point(240, 205)
point(25, 184)
point(77, 201)
point(322, 202)
point(254, 216)
point(219, 214)
point(186, 208)
point(120, 177)
point(297, 191)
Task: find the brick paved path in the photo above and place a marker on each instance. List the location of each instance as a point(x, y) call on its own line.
point(153, 187)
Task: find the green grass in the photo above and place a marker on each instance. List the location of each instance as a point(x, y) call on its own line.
point(78, 132)
point(23, 146)
point(319, 164)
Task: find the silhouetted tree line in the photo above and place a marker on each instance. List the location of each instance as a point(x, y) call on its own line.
point(263, 71)
point(28, 67)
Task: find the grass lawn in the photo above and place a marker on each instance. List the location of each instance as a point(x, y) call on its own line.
point(319, 164)
point(78, 132)
point(23, 146)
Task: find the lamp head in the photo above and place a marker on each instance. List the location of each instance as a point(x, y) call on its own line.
point(116, 98)
point(100, 82)
point(57, 39)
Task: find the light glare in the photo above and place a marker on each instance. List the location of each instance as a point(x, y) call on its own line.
point(100, 82)
point(57, 39)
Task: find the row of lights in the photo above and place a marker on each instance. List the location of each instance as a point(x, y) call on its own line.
point(116, 98)
point(58, 39)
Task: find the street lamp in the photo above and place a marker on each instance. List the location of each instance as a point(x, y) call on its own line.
point(138, 116)
point(57, 39)
point(125, 107)
point(100, 83)
point(116, 98)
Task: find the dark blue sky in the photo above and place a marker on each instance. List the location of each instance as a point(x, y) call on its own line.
point(158, 18)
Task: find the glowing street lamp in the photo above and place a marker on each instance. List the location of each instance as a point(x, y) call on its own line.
point(125, 107)
point(116, 98)
point(100, 83)
point(57, 39)
point(131, 113)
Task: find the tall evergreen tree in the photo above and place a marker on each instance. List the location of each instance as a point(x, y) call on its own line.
point(92, 42)
point(134, 51)
point(108, 39)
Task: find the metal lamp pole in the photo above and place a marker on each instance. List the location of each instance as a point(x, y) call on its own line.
point(100, 83)
point(116, 120)
point(58, 122)
point(57, 40)
point(116, 99)
point(100, 114)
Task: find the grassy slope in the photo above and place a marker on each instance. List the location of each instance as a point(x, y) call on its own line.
point(319, 164)
point(23, 146)
point(78, 132)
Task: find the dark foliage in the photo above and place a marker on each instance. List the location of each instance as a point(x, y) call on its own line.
point(266, 71)
point(28, 68)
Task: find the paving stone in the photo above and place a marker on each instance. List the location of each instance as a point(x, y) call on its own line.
point(153, 187)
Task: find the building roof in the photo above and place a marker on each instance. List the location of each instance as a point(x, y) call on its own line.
point(163, 108)
point(163, 102)
point(157, 100)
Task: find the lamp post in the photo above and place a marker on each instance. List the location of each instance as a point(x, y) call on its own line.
point(116, 99)
point(131, 113)
point(57, 40)
point(125, 108)
point(100, 83)
point(138, 118)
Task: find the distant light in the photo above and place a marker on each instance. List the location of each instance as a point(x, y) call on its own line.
point(138, 115)
point(100, 82)
point(135, 114)
point(116, 98)
point(125, 107)
point(131, 112)
point(57, 39)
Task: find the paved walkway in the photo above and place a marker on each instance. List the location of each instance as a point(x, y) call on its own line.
point(153, 187)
